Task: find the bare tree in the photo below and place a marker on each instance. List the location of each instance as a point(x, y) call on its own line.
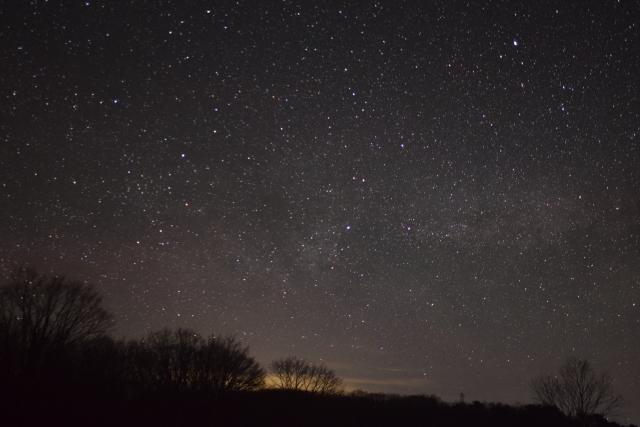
point(578, 391)
point(173, 356)
point(224, 365)
point(42, 317)
point(182, 361)
point(291, 373)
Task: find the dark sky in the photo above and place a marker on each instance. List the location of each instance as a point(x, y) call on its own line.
point(431, 197)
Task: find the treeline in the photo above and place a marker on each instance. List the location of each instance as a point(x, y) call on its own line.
point(59, 366)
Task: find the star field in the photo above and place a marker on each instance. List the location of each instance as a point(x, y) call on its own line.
point(431, 197)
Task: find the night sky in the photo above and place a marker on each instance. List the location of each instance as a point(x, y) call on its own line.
point(431, 197)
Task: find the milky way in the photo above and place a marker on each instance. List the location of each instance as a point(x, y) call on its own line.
point(431, 197)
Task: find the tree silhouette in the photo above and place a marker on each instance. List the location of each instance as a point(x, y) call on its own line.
point(224, 366)
point(173, 359)
point(42, 318)
point(291, 373)
point(578, 391)
point(182, 362)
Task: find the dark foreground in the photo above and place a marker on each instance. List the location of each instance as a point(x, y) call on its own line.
point(273, 408)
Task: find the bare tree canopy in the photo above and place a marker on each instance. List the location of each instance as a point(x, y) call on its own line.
point(291, 373)
point(182, 361)
point(578, 391)
point(225, 365)
point(41, 316)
